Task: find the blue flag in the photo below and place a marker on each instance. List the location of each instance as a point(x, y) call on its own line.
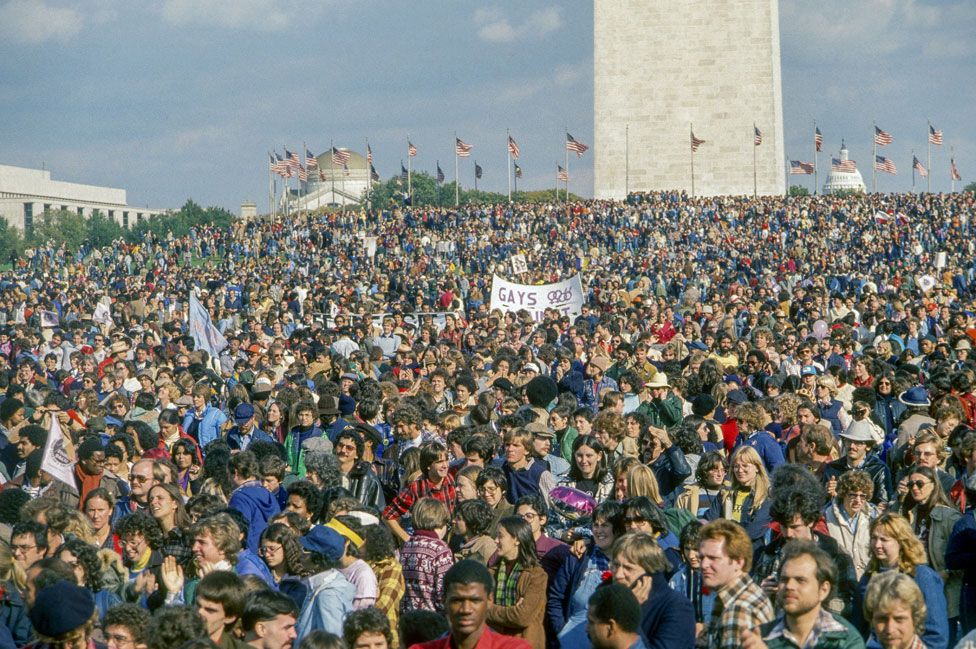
point(205, 334)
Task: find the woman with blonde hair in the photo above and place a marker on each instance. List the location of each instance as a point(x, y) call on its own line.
point(894, 547)
point(746, 499)
point(13, 613)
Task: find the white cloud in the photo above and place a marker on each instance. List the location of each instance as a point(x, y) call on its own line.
point(259, 15)
point(35, 21)
point(495, 27)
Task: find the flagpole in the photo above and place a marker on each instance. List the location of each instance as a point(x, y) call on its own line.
point(567, 169)
point(929, 160)
point(816, 160)
point(913, 171)
point(508, 154)
point(874, 161)
point(332, 151)
point(305, 165)
point(691, 133)
point(476, 175)
point(755, 182)
point(270, 192)
point(457, 190)
point(952, 176)
point(409, 174)
point(369, 178)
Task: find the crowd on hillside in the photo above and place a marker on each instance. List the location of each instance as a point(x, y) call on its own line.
point(759, 431)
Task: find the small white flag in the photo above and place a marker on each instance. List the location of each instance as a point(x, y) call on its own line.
point(57, 460)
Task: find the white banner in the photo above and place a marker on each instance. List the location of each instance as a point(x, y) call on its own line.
point(57, 459)
point(566, 297)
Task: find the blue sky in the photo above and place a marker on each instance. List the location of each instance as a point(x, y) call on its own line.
point(177, 99)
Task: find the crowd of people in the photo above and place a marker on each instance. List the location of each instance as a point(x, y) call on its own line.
point(759, 431)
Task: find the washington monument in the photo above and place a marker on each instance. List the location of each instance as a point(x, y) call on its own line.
point(665, 67)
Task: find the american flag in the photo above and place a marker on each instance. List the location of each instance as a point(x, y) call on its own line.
point(403, 172)
point(477, 171)
point(756, 135)
point(302, 174)
point(440, 172)
point(800, 168)
point(954, 170)
point(310, 161)
point(561, 174)
point(340, 156)
point(575, 145)
point(411, 149)
point(935, 137)
point(844, 166)
point(695, 142)
point(321, 175)
point(882, 138)
point(817, 138)
point(284, 166)
point(917, 165)
point(461, 149)
point(273, 166)
point(882, 163)
point(293, 161)
point(518, 171)
point(373, 174)
point(513, 147)
point(369, 155)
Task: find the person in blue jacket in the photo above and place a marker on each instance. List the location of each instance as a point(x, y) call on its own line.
point(246, 430)
point(250, 497)
point(667, 616)
point(203, 421)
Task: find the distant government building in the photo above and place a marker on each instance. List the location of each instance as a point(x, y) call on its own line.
point(25, 194)
point(661, 67)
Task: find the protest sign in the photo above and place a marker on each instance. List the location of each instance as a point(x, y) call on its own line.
point(57, 460)
point(565, 297)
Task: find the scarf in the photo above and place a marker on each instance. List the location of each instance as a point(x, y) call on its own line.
point(86, 481)
point(506, 583)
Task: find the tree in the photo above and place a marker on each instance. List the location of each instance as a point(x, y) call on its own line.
point(60, 227)
point(102, 230)
point(799, 190)
point(971, 188)
point(11, 242)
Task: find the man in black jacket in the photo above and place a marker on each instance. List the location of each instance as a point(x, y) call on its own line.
point(859, 443)
point(797, 511)
point(357, 476)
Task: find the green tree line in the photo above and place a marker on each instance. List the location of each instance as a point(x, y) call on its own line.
point(428, 192)
point(98, 230)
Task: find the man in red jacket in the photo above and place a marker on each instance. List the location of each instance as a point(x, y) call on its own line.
point(466, 588)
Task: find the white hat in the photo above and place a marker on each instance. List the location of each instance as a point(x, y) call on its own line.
point(862, 431)
point(660, 380)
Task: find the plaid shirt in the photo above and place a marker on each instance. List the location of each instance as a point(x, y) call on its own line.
point(421, 488)
point(739, 606)
point(826, 623)
point(390, 588)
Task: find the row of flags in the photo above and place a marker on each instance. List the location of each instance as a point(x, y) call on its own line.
point(882, 163)
point(696, 142)
point(290, 164)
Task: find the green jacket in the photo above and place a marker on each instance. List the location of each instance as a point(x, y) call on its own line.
point(664, 413)
point(566, 445)
point(849, 638)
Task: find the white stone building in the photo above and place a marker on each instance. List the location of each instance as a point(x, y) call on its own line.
point(660, 67)
point(332, 184)
point(838, 181)
point(25, 194)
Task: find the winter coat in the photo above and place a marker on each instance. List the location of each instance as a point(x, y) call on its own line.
point(667, 618)
point(755, 522)
point(328, 602)
point(209, 428)
point(364, 485)
point(880, 476)
point(857, 544)
point(525, 618)
point(941, 521)
point(258, 506)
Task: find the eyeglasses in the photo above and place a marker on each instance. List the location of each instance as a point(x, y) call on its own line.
point(857, 496)
point(118, 639)
point(269, 549)
point(22, 548)
point(918, 484)
point(141, 478)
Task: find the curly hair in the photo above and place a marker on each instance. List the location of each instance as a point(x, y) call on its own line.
point(787, 404)
point(134, 618)
point(610, 423)
point(292, 549)
point(477, 516)
point(798, 501)
point(173, 626)
point(379, 544)
point(856, 481)
point(89, 561)
point(307, 492)
point(366, 620)
point(140, 523)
